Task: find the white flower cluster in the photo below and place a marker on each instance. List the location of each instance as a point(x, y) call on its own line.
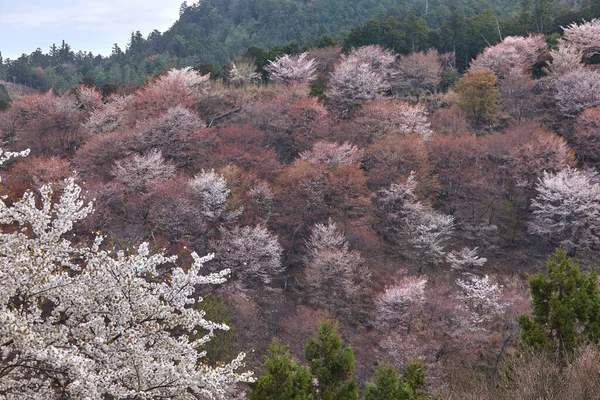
point(82, 322)
point(7, 155)
point(289, 69)
point(408, 221)
point(585, 36)
point(414, 119)
point(212, 189)
point(465, 259)
point(139, 171)
point(333, 154)
point(243, 72)
point(482, 296)
point(360, 76)
point(187, 77)
point(409, 290)
point(567, 209)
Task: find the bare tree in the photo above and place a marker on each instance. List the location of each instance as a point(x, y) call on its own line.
point(418, 73)
point(172, 133)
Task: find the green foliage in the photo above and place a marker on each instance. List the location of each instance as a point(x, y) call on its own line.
point(387, 384)
point(416, 33)
point(214, 70)
point(109, 88)
point(283, 378)
point(478, 94)
point(414, 378)
point(449, 78)
point(4, 98)
point(332, 364)
point(326, 40)
point(387, 33)
point(566, 307)
point(318, 87)
point(216, 32)
point(220, 347)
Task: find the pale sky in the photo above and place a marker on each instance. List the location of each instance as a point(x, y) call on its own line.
point(91, 25)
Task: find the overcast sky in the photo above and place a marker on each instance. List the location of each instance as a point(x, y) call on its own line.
point(91, 25)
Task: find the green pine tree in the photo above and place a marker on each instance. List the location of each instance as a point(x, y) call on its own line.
point(387, 384)
point(413, 378)
point(283, 379)
point(331, 364)
point(566, 308)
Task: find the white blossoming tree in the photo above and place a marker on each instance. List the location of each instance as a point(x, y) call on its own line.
point(514, 52)
point(212, 190)
point(465, 259)
point(243, 72)
point(251, 253)
point(359, 77)
point(87, 323)
point(290, 69)
point(482, 296)
point(335, 276)
point(421, 231)
point(399, 301)
point(585, 36)
point(566, 58)
point(333, 154)
point(577, 90)
point(567, 209)
point(139, 171)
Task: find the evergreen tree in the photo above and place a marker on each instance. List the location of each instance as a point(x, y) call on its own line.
point(331, 364)
point(283, 379)
point(54, 54)
point(413, 378)
point(2, 69)
point(387, 384)
point(566, 307)
point(416, 32)
point(65, 54)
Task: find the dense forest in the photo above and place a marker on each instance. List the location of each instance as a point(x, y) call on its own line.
point(407, 210)
point(210, 34)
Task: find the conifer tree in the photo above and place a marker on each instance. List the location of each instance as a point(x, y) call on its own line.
point(283, 378)
point(331, 364)
point(566, 307)
point(387, 384)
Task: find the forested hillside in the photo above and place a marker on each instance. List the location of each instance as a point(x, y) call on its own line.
point(212, 33)
point(379, 221)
